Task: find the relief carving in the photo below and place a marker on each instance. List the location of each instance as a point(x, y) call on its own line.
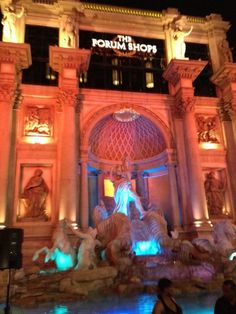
point(38, 121)
point(35, 195)
point(207, 129)
point(68, 97)
point(225, 51)
point(215, 194)
point(183, 105)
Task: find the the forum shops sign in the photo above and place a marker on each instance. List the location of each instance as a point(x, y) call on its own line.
point(124, 46)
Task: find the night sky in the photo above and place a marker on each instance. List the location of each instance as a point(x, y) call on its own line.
point(190, 7)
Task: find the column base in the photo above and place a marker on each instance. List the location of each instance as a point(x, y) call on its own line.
point(199, 229)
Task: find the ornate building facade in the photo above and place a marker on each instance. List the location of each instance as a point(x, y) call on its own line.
point(147, 101)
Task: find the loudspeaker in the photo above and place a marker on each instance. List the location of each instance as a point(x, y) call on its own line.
point(10, 248)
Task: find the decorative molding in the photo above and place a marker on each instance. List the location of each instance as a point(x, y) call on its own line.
point(183, 69)
point(119, 10)
point(48, 2)
point(69, 98)
point(6, 92)
point(226, 111)
point(15, 53)
point(207, 128)
point(73, 58)
point(183, 105)
point(225, 75)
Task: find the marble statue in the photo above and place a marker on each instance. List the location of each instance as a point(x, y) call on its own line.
point(69, 32)
point(99, 213)
point(179, 38)
point(224, 236)
point(9, 20)
point(124, 193)
point(86, 256)
point(62, 251)
point(114, 233)
point(35, 194)
point(215, 190)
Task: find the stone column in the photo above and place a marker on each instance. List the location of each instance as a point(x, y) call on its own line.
point(225, 80)
point(68, 156)
point(69, 63)
point(216, 29)
point(13, 58)
point(140, 188)
point(174, 196)
point(84, 202)
point(180, 74)
point(92, 193)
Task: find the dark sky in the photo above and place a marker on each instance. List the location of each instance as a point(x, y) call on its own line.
point(190, 7)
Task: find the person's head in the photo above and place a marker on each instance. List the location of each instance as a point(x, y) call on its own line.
point(164, 286)
point(38, 172)
point(229, 289)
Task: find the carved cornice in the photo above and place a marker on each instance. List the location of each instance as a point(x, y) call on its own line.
point(225, 75)
point(19, 54)
point(183, 69)
point(70, 58)
point(120, 10)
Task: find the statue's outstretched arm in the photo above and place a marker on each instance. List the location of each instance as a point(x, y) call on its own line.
point(21, 12)
point(188, 33)
point(38, 252)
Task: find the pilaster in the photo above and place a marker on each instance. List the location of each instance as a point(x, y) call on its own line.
point(13, 58)
point(69, 62)
point(217, 29)
point(225, 80)
point(181, 74)
point(84, 201)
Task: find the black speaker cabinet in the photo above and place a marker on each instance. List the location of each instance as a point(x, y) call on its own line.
point(10, 248)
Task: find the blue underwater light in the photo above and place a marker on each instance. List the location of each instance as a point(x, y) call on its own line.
point(150, 247)
point(63, 261)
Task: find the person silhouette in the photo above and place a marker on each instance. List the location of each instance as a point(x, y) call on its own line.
point(226, 304)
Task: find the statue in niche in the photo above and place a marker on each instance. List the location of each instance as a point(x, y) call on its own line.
point(225, 52)
point(69, 32)
point(9, 20)
point(35, 194)
point(124, 193)
point(179, 38)
point(207, 129)
point(215, 191)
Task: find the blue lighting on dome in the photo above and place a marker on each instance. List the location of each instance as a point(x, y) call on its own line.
point(150, 247)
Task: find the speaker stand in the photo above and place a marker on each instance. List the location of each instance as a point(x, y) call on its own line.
point(7, 309)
